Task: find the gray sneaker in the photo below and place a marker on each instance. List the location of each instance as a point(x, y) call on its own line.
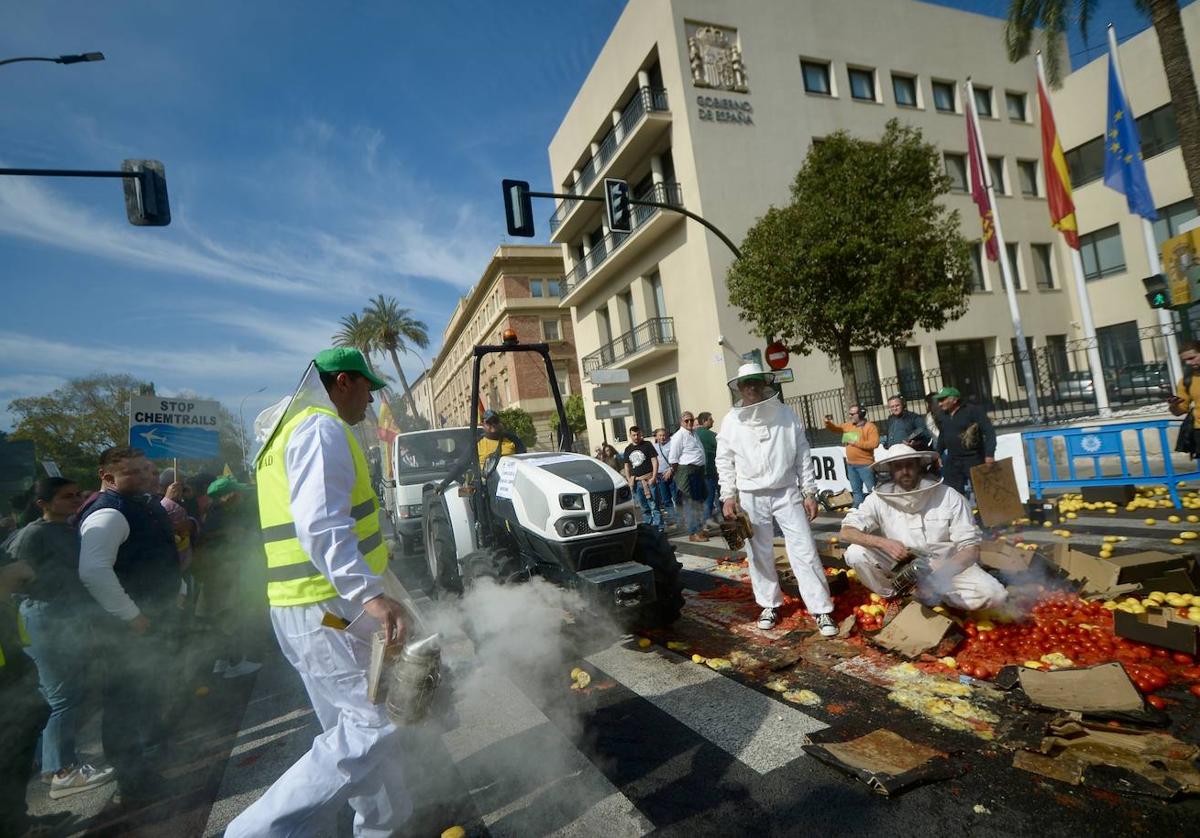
point(826, 625)
point(768, 618)
point(80, 778)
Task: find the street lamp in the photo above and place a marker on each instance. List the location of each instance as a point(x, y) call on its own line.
point(242, 424)
point(62, 59)
point(425, 374)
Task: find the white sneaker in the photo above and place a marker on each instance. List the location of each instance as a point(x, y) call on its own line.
point(768, 618)
point(244, 668)
point(80, 778)
point(220, 666)
point(826, 625)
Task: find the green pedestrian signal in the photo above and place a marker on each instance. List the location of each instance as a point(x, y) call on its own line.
point(1157, 292)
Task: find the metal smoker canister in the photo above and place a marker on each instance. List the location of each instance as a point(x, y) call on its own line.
point(415, 675)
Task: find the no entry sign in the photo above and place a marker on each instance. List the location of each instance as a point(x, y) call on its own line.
point(777, 356)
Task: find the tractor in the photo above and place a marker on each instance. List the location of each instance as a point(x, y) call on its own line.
point(557, 514)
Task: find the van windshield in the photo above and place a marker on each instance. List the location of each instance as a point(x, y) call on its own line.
point(431, 450)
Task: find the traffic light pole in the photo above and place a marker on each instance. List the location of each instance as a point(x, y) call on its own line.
point(146, 201)
point(712, 227)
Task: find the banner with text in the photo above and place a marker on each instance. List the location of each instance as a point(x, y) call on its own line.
point(166, 427)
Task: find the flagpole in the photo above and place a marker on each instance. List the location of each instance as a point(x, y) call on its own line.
point(1166, 319)
point(1099, 385)
point(1005, 267)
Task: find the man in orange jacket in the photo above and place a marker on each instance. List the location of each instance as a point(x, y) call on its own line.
point(861, 438)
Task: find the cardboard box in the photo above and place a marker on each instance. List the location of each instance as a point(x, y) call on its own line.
point(1102, 688)
point(1148, 570)
point(1158, 627)
point(1006, 558)
point(1109, 494)
point(914, 630)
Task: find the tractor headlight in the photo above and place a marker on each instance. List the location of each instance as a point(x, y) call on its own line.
point(570, 501)
point(410, 511)
point(624, 494)
point(627, 519)
point(568, 527)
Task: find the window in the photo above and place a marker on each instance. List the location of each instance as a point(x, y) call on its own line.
point(1085, 163)
point(978, 281)
point(943, 96)
point(641, 412)
point(966, 364)
point(562, 374)
point(866, 375)
point(1016, 106)
point(1102, 252)
point(1158, 130)
point(1119, 345)
point(550, 330)
point(619, 434)
point(1043, 266)
point(535, 288)
point(996, 169)
point(983, 101)
point(1056, 355)
point(668, 402)
point(862, 84)
point(1169, 219)
point(816, 77)
point(1014, 264)
point(956, 170)
point(904, 88)
point(909, 377)
point(553, 288)
point(660, 301)
point(1027, 174)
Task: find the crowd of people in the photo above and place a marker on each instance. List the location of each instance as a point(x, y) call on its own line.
point(103, 599)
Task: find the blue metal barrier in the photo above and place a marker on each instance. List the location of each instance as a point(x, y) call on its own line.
point(1103, 441)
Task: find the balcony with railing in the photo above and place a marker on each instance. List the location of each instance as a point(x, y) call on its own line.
point(646, 340)
point(616, 248)
point(640, 124)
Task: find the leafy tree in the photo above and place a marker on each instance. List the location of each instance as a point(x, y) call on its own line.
point(392, 329)
point(1052, 17)
point(576, 417)
point(864, 254)
point(520, 424)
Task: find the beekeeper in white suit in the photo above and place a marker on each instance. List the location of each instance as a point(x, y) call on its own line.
point(764, 467)
point(912, 510)
point(325, 564)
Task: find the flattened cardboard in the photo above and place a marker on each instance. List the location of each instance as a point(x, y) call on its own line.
point(1158, 627)
point(996, 494)
point(885, 761)
point(914, 630)
point(996, 555)
point(1104, 688)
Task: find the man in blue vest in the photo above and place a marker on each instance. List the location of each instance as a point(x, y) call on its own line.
point(129, 564)
point(325, 557)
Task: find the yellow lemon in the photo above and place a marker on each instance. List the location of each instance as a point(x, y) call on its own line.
point(1174, 519)
point(697, 658)
point(454, 832)
point(1111, 511)
point(1072, 515)
point(1149, 522)
point(1189, 535)
point(1048, 525)
point(1178, 541)
point(644, 642)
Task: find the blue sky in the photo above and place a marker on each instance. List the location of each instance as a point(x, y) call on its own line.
point(317, 153)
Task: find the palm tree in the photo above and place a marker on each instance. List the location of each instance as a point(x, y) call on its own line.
point(1052, 16)
point(392, 329)
point(359, 333)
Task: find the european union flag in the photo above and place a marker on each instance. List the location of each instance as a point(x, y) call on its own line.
point(1124, 169)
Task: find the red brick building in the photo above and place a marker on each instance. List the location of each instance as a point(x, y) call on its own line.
point(520, 289)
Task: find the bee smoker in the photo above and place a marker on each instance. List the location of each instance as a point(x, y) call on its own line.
point(736, 530)
point(909, 572)
point(412, 676)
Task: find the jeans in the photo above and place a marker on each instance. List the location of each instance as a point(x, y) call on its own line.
point(689, 480)
point(710, 499)
point(25, 712)
point(861, 478)
point(61, 655)
point(664, 494)
point(956, 472)
point(648, 497)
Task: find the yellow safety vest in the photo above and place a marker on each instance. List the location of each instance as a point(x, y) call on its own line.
point(292, 578)
point(21, 632)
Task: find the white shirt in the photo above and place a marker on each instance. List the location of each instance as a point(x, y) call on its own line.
point(684, 449)
point(761, 447)
point(320, 470)
point(934, 518)
point(663, 462)
point(100, 537)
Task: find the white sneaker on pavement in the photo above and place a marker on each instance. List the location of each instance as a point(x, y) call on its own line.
point(80, 778)
point(768, 618)
point(826, 625)
point(220, 666)
point(244, 668)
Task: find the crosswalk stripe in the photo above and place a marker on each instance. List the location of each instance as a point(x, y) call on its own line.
point(761, 732)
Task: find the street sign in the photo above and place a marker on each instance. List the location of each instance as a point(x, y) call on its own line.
point(616, 203)
point(784, 376)
point(166, 427)
point(605, 376)
point(616, 410)
point(777, 356)
point(611, 393)
point(518, 207)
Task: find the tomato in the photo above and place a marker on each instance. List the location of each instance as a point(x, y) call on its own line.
point(1194, 689)
point(1157, 702)
point(1191, 673)
point(1180, 657)
point(1159, 652)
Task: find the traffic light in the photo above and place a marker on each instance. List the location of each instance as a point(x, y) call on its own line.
point(616, 202)
point(146, 203)
point(1157, 293)
point(518, 207)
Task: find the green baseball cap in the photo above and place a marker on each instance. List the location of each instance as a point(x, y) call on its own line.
point(226, 485)
point(948, 393)
point(345, 359)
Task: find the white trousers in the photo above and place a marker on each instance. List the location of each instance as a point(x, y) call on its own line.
point(787, 507)
point(357, 758)
point(970, 590)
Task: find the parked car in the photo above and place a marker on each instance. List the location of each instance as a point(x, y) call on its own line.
point(1074, 386)
point(1141, 382)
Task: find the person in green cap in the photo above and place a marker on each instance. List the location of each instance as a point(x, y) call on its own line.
point(230, 540)
point(966, 437)
point(325, 563)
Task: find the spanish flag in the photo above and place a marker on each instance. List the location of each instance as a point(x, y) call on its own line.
point(1054, 163)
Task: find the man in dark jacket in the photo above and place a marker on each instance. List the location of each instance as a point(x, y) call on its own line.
point(904, 426)
point(967, 438)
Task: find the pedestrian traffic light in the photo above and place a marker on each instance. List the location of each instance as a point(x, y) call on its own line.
point(1157, 292)
point(146, 203)
point(616, 202)
point(518, 208)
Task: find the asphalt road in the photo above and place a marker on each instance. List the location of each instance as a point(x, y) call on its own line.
point(655, 744)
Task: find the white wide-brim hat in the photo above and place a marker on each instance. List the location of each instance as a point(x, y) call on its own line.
point(750, 369)
point(900, 451)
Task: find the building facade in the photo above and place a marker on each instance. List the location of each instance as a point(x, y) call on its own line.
point(520, 289)
point(714, 106)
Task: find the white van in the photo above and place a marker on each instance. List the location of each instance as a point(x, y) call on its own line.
point(419, 458)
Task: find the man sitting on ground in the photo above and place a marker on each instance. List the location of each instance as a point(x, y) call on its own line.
point(916, 513)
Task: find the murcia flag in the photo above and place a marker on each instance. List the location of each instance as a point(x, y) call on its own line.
point(978, 182)
point(1058, 178)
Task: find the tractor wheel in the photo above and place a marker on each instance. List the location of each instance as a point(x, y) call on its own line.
point(484, 564)
point(654, 550)
point(440, 552)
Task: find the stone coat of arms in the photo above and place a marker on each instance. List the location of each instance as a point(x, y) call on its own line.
point(716, 60)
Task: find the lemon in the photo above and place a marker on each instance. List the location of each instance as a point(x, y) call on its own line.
point(1110, 605)
point(1178, 541)
point(202, 691)
point(644, 642)
point(1149, 522)
point(1174, 519)
point(1111, 511)
point(1048, 524)
point(697, 658)
point(1072, 515)
point(1189, 535)
point(1193, 519)
point(454, 832)
point(676, 646)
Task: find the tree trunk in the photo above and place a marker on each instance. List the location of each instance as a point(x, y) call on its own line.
point(849, 382)
point(1182, 83)
point(412, 405)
